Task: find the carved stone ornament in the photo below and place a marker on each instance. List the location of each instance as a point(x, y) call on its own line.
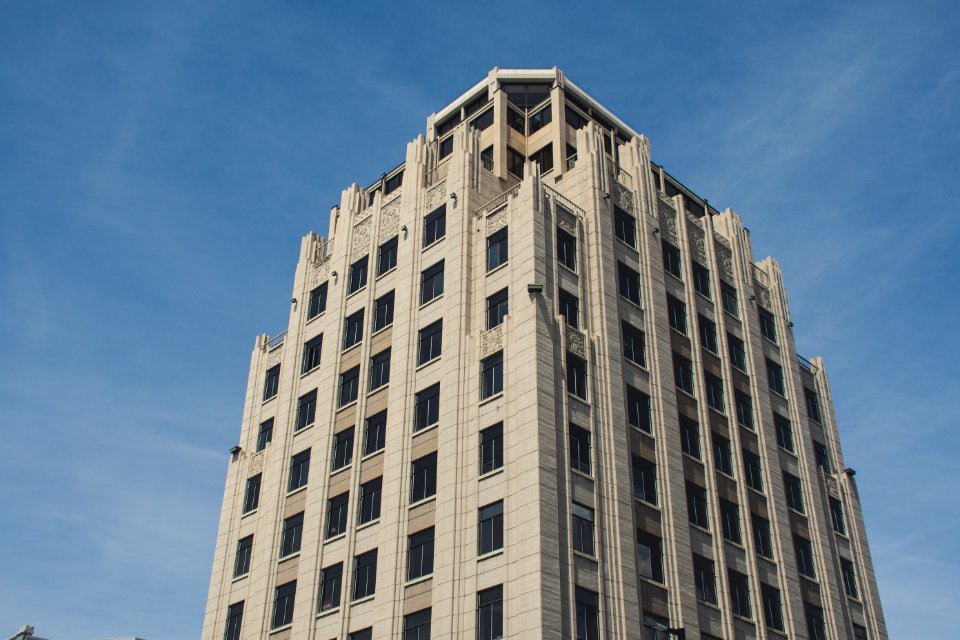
point(624, 196)
point(566, 221)
point(321, 271)
point(576, 342)
point(491, 341)
point(668, 223)
point(720, 239)
point(833, 487)
point(697, 242)
point(725, 260)
point(255, 465)
point(763, 294)
point(390, 219)
point(361, 240)
point(497, 220)
point(436, 195)
point(275, 356)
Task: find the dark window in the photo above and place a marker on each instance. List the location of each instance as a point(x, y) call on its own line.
point(768, 326)
point(784, 432)
point(859, 633)
point(518, 123)
point(331, 579)
point(271, 382)
point(722, 454)
point(416, 626)
point(483, 121)
point(369, 507)
point(761, 536)
point(427, 410)
point(744, 409)
point(752, 470)
point(431, 283)
point(491, 375)
point(349, 386)
point(638, 409)
point(816, 627)
point(362, 634)
point(794, 491)
point(337, 508)
point(423, 482)
point(251, 495)
point(358, 275)
point(234, 621)
point(527, 95)
point(697, 505)
point(241, 564)
point(714, 389)
point(387, 256)
point(365, 574)
point(265, 435)
point(342, 448)
point(515, 160)
point(729, 300)
point(306, 410)
point(353, 329)
point(708, 334)
point(772, 607)
point(701, 279)
point(497, 308)
point(443, 128)
point(383, 311)
point(486, 156)
point(804, 551)
point(579, 448)
point(730, 518)
point(490, 614)
point(566, 249)
point(574, 119)
point(569, 308)
point(650, 556)
point(775, 377)
point(738, 352)
point(671, 259)
point(652, 624)
point(393, 183)
point(629, 283)
point(588, 614)
point(705, 578)
point(311, 354)
point(283, 600)
point(540, 119)
point(582, 529)
point(677, 313)
point(446, 147)
point(497, 249)
point(836, 516)
point(435, 225)
point(633, 344)
point(374, 433)
point(544, 158)
point(318, 301)
point(821, 455)
point(644, 480)
point(490, 528)
point(292, 534)
point(430, 342)
point(739, 593)
point(420, 554)
point(491, 448)
point(299, 470)
point(576, 376)
point(683, 373)
point(624, 226)
point(690, 437)
point(849, 578)
point(380, 369)
point(813, 404)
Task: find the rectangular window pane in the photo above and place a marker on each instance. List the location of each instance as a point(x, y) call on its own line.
point(497, 308)
point(497, 249)
point(491, 448)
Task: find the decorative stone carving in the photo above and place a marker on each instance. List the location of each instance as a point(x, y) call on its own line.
point(436, 195)
point(491, 341)
point(497, 220)
point(390, 219)
point(697, 242)
point(833, 487)
point(361, 240)
point(762, 293)
point(255, 465)
point(275, 356)
point(321, 271)
point(668, 222)
point(566, 221)
point(623, 196)
point(720, 239)
point(725, 260)
point(576, 342)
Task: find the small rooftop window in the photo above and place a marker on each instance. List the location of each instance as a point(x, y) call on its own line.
point(527, 95)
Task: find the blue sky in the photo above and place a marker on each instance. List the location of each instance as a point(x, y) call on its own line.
point(160, 161)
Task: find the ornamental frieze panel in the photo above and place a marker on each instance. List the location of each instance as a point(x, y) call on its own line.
point(255, 465)
point(436, 196)
point(697, 242)
point(361, 240)
point(566, 221)
point(576, 342)
point(390, 219)
point(491, 341)
point(668, 222)
point(275, 356)
point(497, 220)
point(725, 260)
point(623, 196)
point(762, 293)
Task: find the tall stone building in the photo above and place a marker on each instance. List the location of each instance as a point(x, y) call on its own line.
point(534, 387)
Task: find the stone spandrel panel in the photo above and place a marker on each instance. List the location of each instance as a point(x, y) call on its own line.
point(497, 220)
point(623, 197)
point(724, 258)
point(390, 219)
point(566, 221)
point(436, 196)
point(668, 221)
point(275, 356)
point(255, 465)
point(576, 342)
point(491, 341)
point(698, 240)
point(361, 239)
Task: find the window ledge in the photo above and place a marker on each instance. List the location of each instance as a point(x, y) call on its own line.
point(652, 581)
point(799, 513)
point(742, 618)
point(426, 429)
point(321, 314)
point(488, 400)
point(339, 470)
point(624, 243)
point(568, 269)
point(712, 605)
point(579, 399)
point(675, 277)
point(673, 329)
point(368, 456)
point(304, 374)
point(339, 536)
point(646, 503)
point(729, 476)
point(430, 301)
point(648, 432)
point(585, 556)
point(735, 545)
point(286, 558)
point(378, 389)
point(273, 397)
point(689, 394)
point(367, 525)
point(296, 491)
point(435, 242)
point(632, 303)
point(386, 273)
point(352, 403)
point(328, 612)
point(428, 363)
point(353, 293)
point(694, 525)
point(355, 345)
point(377, 332)
point(368, 598)
point(285, 627)
point(415, 581)
point(694, 458)
point(577, 472)
point(297, 432)
point(703, 295)
point(641, 366)
point(237, 579)
point(490, 474)
point(759, 492)
point(420, 503)
point(499, 267)
point(249, 513)
point(490, 554)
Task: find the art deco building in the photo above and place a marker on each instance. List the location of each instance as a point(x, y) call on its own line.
point(534, 387)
